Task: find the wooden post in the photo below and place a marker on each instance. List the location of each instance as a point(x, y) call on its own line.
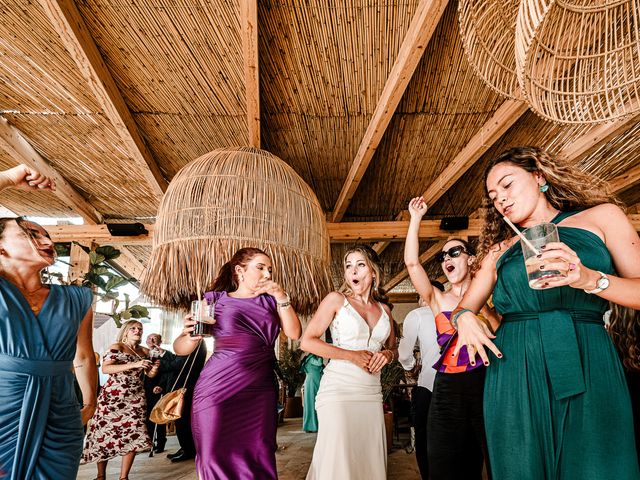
point(79, 264)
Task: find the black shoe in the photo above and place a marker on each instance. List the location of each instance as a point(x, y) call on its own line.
point(159, 449)
point(181, 458)
point(176, 454)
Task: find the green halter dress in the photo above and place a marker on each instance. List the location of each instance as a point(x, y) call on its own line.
point(556, 406)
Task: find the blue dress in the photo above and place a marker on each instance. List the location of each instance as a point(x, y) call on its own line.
point(40, 425)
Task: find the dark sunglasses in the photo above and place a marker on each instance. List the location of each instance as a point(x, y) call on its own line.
point(453, 252)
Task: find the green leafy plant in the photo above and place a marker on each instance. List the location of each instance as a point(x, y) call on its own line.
point(390, 375)
point(289, 364)
point(105, 282)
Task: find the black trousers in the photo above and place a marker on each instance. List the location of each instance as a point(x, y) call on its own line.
point(420, 400)
point(183, 425)
point(456, 439)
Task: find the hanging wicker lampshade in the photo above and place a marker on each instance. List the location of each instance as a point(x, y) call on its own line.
point(578, 61)
point(488, 32)
point(232, 198)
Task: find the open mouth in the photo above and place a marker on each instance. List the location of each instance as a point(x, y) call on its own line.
point(449, 268)
point(355, 281)
point(508, 209)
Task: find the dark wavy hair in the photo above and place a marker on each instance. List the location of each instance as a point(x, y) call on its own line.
point(624, 328)
point(372, 260)
point(227, 279)
point(569, 189)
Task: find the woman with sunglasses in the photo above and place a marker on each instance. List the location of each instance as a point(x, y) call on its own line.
point(455, 422)
point(45, 336)
point(556, 404)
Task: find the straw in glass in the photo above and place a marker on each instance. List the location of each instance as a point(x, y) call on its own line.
point(522, 237)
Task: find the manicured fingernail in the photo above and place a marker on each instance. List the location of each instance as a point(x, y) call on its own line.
point(543, 247)
point(499, 355)
point(473, 364)
point(453, 354)
point(486, 364)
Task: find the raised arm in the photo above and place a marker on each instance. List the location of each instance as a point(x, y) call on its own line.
point(472, 331)
point(25, 178)
point(419, 278)
point(321, 320)
point(85, 368)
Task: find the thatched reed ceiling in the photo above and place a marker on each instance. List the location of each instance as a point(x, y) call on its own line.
point(178, 70)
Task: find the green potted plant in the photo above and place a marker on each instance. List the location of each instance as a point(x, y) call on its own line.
point(292, 377)
point(391, 374)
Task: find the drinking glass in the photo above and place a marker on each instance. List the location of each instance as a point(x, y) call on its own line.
point(203, 314)
point(538, 236)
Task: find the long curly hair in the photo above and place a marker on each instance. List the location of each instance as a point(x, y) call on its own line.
point(624, 328)
point(372, 260)
point(569, 189)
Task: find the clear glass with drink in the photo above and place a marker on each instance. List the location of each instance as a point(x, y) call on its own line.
point(538, 236)
point(203, 314)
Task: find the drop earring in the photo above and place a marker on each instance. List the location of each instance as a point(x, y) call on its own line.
point(241, 278)
point(375, 285)
point(544, 188)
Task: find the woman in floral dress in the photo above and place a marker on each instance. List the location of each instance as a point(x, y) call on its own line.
point(118, 426)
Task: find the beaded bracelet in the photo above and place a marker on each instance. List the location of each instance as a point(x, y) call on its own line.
point(284, 304)
point(454, 317)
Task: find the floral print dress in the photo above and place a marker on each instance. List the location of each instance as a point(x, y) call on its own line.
point(118, 426)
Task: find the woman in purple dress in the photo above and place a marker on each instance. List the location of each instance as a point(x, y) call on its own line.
point(234, 403)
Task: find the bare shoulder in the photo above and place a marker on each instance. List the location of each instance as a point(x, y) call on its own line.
point(386, 308)
point(116, 347)
point(144, 349)
point(334, 299)
point(604, 213)
point(497, 250)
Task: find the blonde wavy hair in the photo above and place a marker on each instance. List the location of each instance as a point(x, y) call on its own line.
point(624, 328)
point(569, 189)
point(372, 260)
point(124, 329)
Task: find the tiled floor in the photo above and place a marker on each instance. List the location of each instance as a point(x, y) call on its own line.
point(294, 456)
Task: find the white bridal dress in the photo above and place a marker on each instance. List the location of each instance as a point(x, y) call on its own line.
point(351, 443)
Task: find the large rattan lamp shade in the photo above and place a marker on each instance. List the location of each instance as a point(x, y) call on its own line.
point(232, 198)
point(488, 29)
point(578, 61)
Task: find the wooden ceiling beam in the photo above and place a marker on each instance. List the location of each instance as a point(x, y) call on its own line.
point(345, 232)
point(597, 136)
point(424, 22)
point(425, 257)
point(507, 114)
point(249, 32)
point(15, 144)
point(503, 119)
point(75, 35)
point(626, 180)
point(129, 263)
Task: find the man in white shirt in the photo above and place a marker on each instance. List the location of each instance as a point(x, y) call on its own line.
point(419, 325)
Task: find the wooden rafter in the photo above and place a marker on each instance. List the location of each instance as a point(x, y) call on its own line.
point(69, 24)
point(504, 117)
point(426, 256)
point(596, 136)
point(16, 145)
point(422, 26)
point(249, 23)
point(129, 263)
point(345, 232)
point(626, 180)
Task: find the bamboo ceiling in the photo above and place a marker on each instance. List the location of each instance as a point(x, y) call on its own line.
point(178, 69)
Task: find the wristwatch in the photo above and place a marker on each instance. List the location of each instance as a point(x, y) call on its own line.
point(601, 284)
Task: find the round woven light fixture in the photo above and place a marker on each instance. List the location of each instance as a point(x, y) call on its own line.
point(488, 32)
point(232, 198)
point(578, 61)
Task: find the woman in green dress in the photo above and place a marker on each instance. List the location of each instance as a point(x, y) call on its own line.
point(556, 403)
point(312, 366)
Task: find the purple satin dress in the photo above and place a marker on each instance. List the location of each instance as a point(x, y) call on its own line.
point(234, 402)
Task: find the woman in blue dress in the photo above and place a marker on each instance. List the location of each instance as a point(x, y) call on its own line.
point(45, 335)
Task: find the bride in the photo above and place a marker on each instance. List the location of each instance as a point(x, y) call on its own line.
point(351, 441)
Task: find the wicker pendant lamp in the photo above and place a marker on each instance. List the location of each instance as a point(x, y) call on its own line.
point(232, 198)
point(488, 30)
point(578, 61)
